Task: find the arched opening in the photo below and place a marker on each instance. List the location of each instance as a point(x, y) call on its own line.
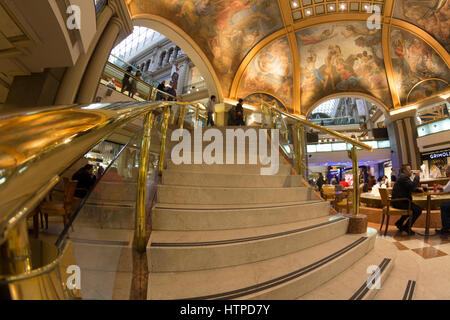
point(161, 58)
point(356, 117)
point(187, 45)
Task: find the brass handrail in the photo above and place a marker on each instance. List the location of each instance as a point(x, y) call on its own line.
point(310, 124)
point(301, 145)
point(36, 146)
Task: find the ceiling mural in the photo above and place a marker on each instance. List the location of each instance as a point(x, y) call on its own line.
point(270, 71)
point(256, 99)
point(341, 57)
point(414, 61)
point(224, 30)
point(432, 16)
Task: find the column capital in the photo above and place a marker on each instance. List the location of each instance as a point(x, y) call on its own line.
point(122, 13)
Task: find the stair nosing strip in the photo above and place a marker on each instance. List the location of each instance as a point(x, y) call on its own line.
point(238, 240)
point(362, 291)
point(282, 279)
point(411, 291)
point(405, 295)
point(223, 209)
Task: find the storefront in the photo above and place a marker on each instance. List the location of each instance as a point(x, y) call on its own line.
point(434, 163)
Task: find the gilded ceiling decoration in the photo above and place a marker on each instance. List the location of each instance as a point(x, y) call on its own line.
point(418, 71)
point(302, 51)
point(270, 71)
point(256, 99)
point(224, 29)
point(431, 15)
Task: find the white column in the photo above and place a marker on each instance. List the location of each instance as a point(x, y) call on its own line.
point(97, 63)
point(73, 75)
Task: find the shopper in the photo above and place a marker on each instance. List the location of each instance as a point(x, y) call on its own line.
point(403, 188)
point(211, 106)
point(86, 180)
point(240, 113)
point(126, 80)
point(161, 88)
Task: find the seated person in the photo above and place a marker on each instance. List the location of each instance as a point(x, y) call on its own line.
point(445, 207)
point(86, 180)
point(344, 184)
point(403, 188)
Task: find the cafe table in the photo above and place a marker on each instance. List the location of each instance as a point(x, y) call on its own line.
point(428, 201)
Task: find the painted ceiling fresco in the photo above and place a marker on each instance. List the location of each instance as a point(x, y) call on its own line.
point(415, 65)
point(341, 57)
point(225, 30)
point(431, 15)
point(256, 99)
point(270, 71)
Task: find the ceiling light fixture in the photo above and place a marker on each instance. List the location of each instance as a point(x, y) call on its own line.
point(343, 6)
point(308, 12)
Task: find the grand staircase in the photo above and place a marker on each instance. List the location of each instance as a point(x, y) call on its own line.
point(227, 232)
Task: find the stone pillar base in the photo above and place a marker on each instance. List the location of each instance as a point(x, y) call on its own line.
point(357, 224)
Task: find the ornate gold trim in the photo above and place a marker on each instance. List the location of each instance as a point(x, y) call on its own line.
point(353, 94)
point(425, 36)
point(249, 57)
point(272, 95)
point(189, 40)
point(420, 82)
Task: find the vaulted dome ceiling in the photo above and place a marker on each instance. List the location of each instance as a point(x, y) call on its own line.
point(305, 51)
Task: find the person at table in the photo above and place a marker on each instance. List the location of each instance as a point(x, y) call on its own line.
point(344, 184)
point(445, 207)
point(320, 181)
point(86, 180)
point(403, 188)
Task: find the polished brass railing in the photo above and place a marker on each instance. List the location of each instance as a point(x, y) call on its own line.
point(300, 124)
point(36, 147)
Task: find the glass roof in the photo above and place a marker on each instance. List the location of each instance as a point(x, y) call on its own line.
point(134, 43)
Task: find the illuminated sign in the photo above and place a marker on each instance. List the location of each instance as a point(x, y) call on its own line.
point(436, 155)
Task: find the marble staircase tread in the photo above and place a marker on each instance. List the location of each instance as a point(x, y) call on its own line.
point(214, 179)
point(215, 217)
point(197, 250)
point(179, 237)
point(352, 283)
point(227, 195)
point(284, 277)
point(187, 206)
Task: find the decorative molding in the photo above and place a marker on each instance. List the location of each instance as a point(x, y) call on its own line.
point(120, 8)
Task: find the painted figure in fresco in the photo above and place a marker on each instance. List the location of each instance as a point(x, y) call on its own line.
point(346, 80)
point(419, 55)
point(334, 52)
point(400, 53)
point(311, 39)
point(431, 15)
point(311, 67)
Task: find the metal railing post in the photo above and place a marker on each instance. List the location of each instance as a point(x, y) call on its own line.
point(197, 114)
point(300, 150)
point(164, 127)
point(142, 182)
point(15, 252)
point(354, 157)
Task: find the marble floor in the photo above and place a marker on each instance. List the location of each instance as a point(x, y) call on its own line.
point(425, 260)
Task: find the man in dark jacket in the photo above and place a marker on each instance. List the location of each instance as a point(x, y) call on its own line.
point(86, 180)
point(161, 88)
point(403, 188)
point(240, 113)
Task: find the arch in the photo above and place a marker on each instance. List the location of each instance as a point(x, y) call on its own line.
point(187, 44)
point(280, 101)
point(358, 95)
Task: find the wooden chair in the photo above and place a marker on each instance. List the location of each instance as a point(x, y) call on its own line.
point(347, 202)
point(328, 192)
point(64, 209)
point(390, 211)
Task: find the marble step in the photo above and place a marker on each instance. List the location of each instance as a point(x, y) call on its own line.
point(352, 284)
point(186, 178)
point(255, 169)
point(284, 277)
point(402, 284)
point(213, 217)
point(107, 214)
point(223, 195)
point(200, 250)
